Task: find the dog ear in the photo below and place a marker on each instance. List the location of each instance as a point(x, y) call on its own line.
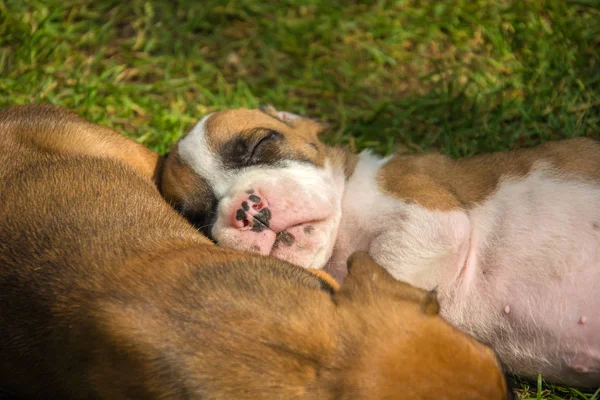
point(188, 192)
point(284, 116)
point(295, 120)
point(367, 279)
point(269, 110)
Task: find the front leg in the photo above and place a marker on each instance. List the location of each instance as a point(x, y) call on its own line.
point(423, 247)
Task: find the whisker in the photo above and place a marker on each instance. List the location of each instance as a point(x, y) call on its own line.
point(204, 226)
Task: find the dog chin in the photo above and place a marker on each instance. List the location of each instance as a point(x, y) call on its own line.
point(308, 252)
point(308, 244)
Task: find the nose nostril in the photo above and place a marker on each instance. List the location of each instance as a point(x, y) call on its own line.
point(246, 222)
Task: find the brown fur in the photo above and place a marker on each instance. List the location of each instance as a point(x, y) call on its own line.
point(327, 279)
point(246, 124)
point(440, 183)
point(107, 293)
point(185, 190)
point(342, 158)
point(59, 131)
point(367, 288)
point(192, 196)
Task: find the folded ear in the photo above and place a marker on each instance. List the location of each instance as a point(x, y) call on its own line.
point(294, 120)
point(270, 110)
point(366, 278)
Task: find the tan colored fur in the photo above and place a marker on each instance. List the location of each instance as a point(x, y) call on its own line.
point(244, 123)
point(108, 293)
point(438, 182)
point(372, 284)
point(343, 159)
point(328, 279)
point(59, 131)
point(182, 187)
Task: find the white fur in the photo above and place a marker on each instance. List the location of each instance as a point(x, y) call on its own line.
point(536, 242)
point(532, 247)
point(409, 241)
point(296, 193)
point(194, 150)
point(316, 195)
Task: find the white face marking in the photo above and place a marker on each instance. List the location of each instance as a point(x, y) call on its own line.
point(194, 150)
point(297, 194)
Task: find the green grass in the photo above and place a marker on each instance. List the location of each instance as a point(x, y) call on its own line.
point(461, 76)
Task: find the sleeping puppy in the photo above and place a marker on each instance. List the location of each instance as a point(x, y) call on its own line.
point(510, 240)
point(107, 293)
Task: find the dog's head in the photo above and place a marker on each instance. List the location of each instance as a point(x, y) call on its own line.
point(261, 181)
point(402, 348)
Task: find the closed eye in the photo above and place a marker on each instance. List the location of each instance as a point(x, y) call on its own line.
point(257, 149)
point(258, 146)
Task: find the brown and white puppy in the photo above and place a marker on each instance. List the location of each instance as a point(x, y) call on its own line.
point(510, 240)
point(107, 293)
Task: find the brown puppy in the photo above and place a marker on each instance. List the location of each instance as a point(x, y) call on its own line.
point(107, 293)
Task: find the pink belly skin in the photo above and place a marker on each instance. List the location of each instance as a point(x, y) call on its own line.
point(532, 284)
